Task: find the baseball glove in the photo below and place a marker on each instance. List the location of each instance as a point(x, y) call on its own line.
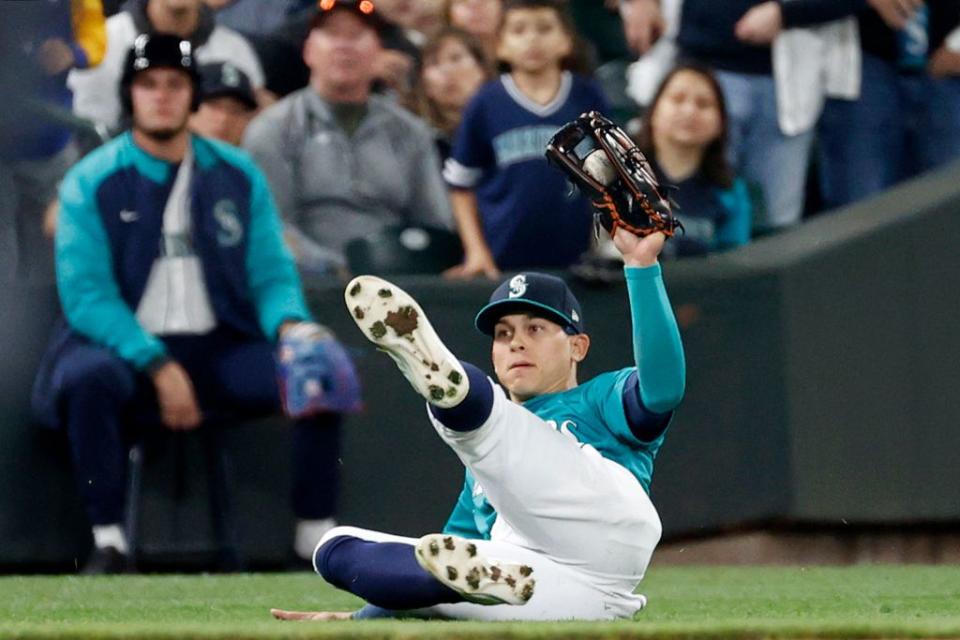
point(315, 373)
point(615, 175)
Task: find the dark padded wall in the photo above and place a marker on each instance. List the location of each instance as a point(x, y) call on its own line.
point(822, 367)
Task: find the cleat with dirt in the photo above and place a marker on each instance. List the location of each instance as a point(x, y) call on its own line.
point(457, 563)
point(391, 319)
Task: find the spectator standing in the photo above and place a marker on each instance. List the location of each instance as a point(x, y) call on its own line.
point(227, 104)
point(41, 43)
point(454, 68)
point(734, 37)
point(175, 283)
point(343, 162)
point(95, 91)
point(907, 119)
point(684, 136)
point(513, 209)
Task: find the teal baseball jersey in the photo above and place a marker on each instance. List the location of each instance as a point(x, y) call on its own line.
point(593, 414)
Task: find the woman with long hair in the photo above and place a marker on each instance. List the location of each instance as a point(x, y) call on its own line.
point(454, 67)
point(685, 137)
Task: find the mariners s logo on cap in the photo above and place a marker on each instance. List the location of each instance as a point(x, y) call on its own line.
point(518, 286)
point(230, 75)
point(533, 293)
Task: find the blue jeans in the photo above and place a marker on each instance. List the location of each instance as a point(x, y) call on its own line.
point(761, 154)
point(901, 126)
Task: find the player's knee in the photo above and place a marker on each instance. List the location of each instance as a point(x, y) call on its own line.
point(646, 529)
point(98, 375)
point(324, 556)
point(656, 530)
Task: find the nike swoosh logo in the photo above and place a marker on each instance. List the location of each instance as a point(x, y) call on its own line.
point(129, 216)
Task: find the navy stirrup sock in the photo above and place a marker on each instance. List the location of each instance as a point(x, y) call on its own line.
point(474, 409)
point(385, 574)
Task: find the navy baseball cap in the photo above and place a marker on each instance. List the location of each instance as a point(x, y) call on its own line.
point(535, 293)
point(225, 79)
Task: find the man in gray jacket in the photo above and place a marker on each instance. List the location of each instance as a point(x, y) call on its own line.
point(343, 162)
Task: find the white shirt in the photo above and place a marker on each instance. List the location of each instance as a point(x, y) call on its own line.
point(96, 91)
point(812, 64)
point(175, 300)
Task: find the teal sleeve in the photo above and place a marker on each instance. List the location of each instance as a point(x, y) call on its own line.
point(735, 231)
point(88, 289)
point(271, 272)
point(657, 349)
point(461, 521)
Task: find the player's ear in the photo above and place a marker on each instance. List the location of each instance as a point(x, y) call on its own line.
point(579, 346)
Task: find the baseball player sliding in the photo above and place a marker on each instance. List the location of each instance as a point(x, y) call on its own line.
point(554, 521)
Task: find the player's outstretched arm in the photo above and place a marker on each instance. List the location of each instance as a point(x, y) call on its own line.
point(637, 251)
point(311, 616)
point(657, 349)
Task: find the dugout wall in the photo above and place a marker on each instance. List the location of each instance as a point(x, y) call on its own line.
point(822, 367)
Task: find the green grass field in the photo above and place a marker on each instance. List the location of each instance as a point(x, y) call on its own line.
point(715, 602)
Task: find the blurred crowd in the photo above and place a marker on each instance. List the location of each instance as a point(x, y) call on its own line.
point(416, 128)
point(389, 136)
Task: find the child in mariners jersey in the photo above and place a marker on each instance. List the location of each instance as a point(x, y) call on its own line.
point(512, 209)
point(554, 514)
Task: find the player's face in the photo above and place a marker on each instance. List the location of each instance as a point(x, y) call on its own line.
point(533, 356)
point(479, 17)
point(224, 118)
point(533, 40)
point(161, 102)
point(687, 112)
point(343, 52)
point(452, 75)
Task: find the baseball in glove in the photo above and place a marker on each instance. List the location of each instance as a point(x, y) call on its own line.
point(315, 373)
point(614, 174)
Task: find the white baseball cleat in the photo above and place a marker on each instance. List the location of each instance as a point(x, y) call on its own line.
point(455, 562)
point(392, 320)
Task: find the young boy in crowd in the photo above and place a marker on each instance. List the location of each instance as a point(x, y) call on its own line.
point(513, 210)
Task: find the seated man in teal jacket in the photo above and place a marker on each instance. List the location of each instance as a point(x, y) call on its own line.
point(174, 283)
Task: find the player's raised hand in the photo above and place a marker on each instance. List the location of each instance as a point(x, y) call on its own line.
point(637, 251)
point(310, 616)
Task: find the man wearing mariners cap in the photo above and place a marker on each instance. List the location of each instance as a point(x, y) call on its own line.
point(227, 103)
point(554, 517)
